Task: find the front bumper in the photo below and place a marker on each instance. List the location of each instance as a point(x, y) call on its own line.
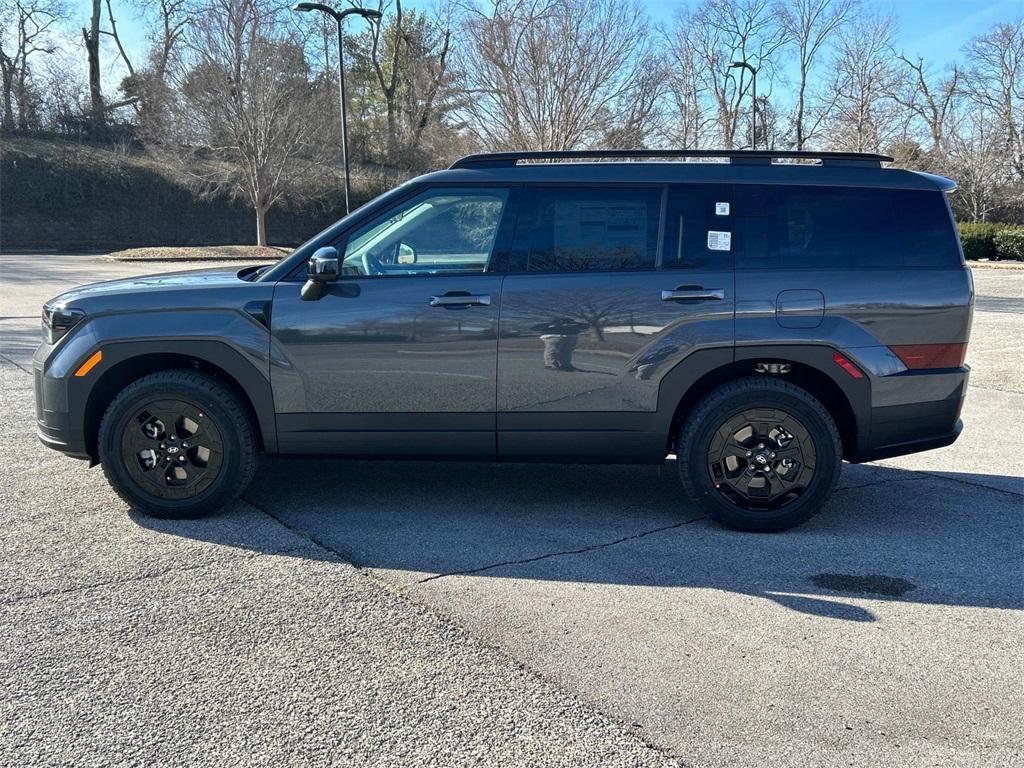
point(53, 418)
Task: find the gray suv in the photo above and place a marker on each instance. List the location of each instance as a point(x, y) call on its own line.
point(760, 315)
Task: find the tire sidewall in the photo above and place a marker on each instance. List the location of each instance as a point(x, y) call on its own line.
point(111, 455)
point(827, 460)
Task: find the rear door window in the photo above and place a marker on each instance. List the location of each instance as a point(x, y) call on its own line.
point(700, 230)
point(587, 229)
point(793, 227)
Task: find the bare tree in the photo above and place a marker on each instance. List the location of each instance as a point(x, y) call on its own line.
point(995, 81)
point(245, 110)
point(865, 118)
point(931, 102)
point(409, 57)
point(977, 159)
point(551, 74)
point(147, 88)
point(31, 24)
point(693, 119)
point(809, 25)
point(172, 18)
point(91, 38)
point(631, 121)
point(723, 31)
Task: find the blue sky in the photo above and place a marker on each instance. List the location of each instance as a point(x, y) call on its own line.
point(933, 29)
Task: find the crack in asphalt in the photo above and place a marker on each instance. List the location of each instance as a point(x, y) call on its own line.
point(302, 534)
point(924, 474)
point(938, 476)
point(143, 577)
point(873, 483)
point(580, 551)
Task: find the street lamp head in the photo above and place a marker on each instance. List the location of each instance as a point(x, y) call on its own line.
point(366, 13)
point(744, 65)
point(307, 7)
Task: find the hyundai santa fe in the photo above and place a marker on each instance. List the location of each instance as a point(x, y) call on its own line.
point(761, 316)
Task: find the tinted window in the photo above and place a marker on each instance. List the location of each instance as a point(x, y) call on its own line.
point(697, 219)
point(563, 229)
point(437, 231)
point(837, 227)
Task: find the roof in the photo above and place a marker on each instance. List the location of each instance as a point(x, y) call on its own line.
point(752, 157)
point(682, 166)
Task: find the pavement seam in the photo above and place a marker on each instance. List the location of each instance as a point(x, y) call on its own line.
point(580, 551)
point(144, 577)
point(439, 614)
point(16, 365)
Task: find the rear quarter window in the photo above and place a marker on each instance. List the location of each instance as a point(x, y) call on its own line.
point(845, 228)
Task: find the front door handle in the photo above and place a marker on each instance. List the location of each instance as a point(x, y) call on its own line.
point(694, 294)
point(461, 300)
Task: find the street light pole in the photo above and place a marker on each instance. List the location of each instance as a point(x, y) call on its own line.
point(753, 115)
point(339, 17)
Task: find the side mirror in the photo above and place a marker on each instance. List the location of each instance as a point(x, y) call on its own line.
point(323, 268)
point(406, 254)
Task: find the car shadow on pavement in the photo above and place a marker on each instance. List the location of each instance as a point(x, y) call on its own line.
point(886, 534)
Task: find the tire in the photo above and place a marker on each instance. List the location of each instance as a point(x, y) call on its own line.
point(161, 413)
point(755, 437)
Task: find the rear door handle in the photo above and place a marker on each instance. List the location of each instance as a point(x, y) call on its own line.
point(461, 300)
point(696, 294)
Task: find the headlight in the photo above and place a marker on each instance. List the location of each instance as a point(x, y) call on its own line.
point(57, 322)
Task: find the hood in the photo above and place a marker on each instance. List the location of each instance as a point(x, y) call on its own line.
point(184, 290)
point(168, 281)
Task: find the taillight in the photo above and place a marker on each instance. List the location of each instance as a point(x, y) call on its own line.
point(918, 356)
point(846, 365)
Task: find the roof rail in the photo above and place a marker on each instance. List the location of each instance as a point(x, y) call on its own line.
point(760, 157)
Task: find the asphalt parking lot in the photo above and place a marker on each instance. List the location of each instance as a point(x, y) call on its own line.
point(409, 614)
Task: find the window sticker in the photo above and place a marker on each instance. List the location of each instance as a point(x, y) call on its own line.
point(721, 209)
point(719, 241)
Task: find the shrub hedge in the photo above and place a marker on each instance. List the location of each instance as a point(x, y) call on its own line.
point(990, 240)
point(1009, 243)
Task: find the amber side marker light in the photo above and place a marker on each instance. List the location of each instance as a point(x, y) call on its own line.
point(919, 356)
point(92, 362)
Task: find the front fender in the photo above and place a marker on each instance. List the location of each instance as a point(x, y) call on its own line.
point(225, 339)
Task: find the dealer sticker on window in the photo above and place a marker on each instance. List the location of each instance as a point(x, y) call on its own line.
point(719, 241)
point(721, 209)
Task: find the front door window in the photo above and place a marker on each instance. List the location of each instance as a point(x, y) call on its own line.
point(438, 232)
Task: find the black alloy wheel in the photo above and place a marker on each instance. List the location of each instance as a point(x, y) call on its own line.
point(178, 444)
point(762, 459)
point(759, 454)
point(172, 449)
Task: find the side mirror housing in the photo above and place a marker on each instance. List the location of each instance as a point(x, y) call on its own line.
point(323, 268)
point(406, 254)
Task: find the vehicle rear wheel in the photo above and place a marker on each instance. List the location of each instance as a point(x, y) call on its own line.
point(759, 454)
point(177, 444)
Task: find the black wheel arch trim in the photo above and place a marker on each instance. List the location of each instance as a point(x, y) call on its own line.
point(217, 355)
point(690, 377)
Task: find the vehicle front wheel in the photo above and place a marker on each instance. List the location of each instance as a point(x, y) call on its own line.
point(177, 444)
point(759, 454)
